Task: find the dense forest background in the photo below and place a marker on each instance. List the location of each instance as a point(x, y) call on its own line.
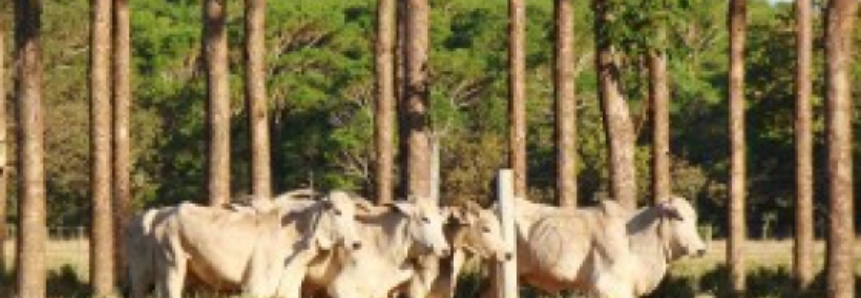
point(320, 82)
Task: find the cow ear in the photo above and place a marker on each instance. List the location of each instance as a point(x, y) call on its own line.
point(403, 207)
point(669, 211)
point(363, 205)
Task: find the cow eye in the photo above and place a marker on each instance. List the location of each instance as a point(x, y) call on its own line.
point(486, 229)
point(337, 212)
point(425, 219)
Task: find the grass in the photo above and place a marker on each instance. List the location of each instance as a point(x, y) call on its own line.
point(768, 263)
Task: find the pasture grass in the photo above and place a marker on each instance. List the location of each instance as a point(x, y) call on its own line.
point(768, 263)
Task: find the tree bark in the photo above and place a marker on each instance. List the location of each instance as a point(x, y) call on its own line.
point(737, 192)
point(32, 232)
point(566, 105)
point(101, 231)
point(4, 146)
point(121, 145)
point(841, 233)
point(255, 97)
point(385, 100)
point(804, 237)
point(218, 101)
point(659, 93)
point(618, 128)
point(417, 99)
point(517, 95)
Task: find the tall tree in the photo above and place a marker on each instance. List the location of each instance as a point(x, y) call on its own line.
point(618, 128)
point(566, 104)
point(659, 96)
point(735, 255)
point(803, 249)
point(841, 231)
point(385, 100)
point(218, 101)
point(4, 145)
point(517, 94)
point(416, 98)
point(121, 104)
point(255, 97)
point(101, 231)
point(32, 231)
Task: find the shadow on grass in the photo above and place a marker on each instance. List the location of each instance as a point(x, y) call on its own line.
point(63, 282)
point(761, 283)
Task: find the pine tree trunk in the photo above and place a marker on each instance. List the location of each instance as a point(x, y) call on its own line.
point(617, 118)
point(121, 149)
point(517, 94)
point(841, 233)
point(218, 101)
point(32, 232)
point(4, 146)
point(804, 237)
point(417, 100)
point(737, 192)
point(566, 105)
point(255, 97)
point(659, 92)
point(385, 100)
point(101, 231)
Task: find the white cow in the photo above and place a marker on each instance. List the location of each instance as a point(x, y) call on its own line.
point(607, 251)
point(471, 231)
point(258, 253)
point(394, 236)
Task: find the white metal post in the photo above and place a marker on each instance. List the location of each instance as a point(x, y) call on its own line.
point(507, 271)
point(434, 168)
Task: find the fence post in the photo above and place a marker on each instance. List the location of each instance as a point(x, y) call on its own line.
point(506, 272)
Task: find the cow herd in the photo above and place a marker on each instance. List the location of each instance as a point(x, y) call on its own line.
point(301, 244)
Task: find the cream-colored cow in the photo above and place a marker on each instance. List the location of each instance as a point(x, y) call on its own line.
point(606, 251)
point(257, 252)
point(393, 237)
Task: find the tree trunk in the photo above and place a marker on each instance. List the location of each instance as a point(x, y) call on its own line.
point(32, 232)
point(618, 128)
point(218, 101)
point(385, 100)
point(737, 193)
point(841, 232)
point(4, 146)
point(659, 94)
point(121, 153)
point(255, 97)
point(517, 94)
point(804, 237)
point(101, 231)
point(417, 100)
point(566, 105)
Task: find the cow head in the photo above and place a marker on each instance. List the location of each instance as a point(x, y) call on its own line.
point(338, 218)
point(478, 230)
point(425, 222)
point(679, 228)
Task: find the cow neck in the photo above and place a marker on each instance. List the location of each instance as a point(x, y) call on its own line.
point(649, 247)
point(397, 245)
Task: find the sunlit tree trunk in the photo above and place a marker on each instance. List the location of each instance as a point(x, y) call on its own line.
point(32, 232)
point(841, 232)
point(803, 249)
point(218, 101)
point(101, 231)
point(659, 93)
point(121, 146)
point(618, 128)
point(255, 97)
point(4, 146)
point(566, 105)
point(385, 100)
point(737, 191)
point(517, 94)
point(416, 97)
